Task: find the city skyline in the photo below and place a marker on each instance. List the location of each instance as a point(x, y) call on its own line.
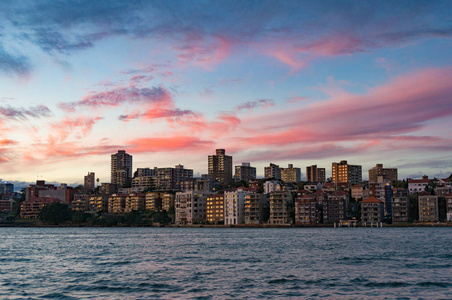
point(296, 82)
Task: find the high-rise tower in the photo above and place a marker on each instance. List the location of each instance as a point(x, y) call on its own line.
point(121, 168)
point(220, 167)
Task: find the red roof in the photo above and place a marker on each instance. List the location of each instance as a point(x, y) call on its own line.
point(371, 200)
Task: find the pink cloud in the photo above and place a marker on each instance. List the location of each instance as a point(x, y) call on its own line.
point(385, 113)
point(79, 127)
point(118, 96)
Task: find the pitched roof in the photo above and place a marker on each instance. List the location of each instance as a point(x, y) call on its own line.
point(371, 200)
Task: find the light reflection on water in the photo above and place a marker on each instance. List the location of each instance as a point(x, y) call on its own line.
point(212, 263)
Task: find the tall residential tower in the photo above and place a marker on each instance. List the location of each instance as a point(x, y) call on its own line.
point(121, 168)
point(220, 167)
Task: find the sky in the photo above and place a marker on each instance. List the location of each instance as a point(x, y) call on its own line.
point(299, 82)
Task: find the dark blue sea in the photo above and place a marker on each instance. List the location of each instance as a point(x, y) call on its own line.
point(229, 263)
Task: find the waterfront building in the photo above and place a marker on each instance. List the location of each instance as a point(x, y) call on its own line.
point(254, 208)
point(220, 167)
point(64, 193)
point(98, 203)
point(153, 201)
point(428, 207)
point(234, 206)
point(245, 172)
point(334, 207)
point(372, 211)
point(190, 207)
point(272, 171)
point(134, 202)
point(344, 173)
point(448, 207)
point(30, 209)
point(121, 168)
point(167, 201)
point(388, 174)
point(89, 182)
point(400, 206)
point(279, 207)
point(290, 174)
point(306, 210)
point(117, 203)
point(215, 209)
point(6, 205)
point(80, 202)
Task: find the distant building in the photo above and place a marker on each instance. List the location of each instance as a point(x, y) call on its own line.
point(121, 168)
point(64, 193)
point(143, 182)
point(428, 208)
point(290, 174)
point(6, 188)
point(107, 188)
point(314, 174)
point(90, 182)
point(389, 174)
point(272, 171)
point(80, 202)
point(166, 179)
point(344, 173)
point(220, 167)
point(372, 211)
point(245, 172)
point(215, 209)
point(279, 208)
point(273, 186)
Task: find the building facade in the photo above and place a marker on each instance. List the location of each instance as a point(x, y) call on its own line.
point(279, 208)
point(121, 168)
point(290, 174)
point(254, 208)
point(389, 174)
point(245, 172)
point(314, 174)
point(190, 207)
point(220, 167)
point(215, 209)
point(272, 171)
point(372, 211)
point(344, 173)
point(428, 208)
point(90, 181)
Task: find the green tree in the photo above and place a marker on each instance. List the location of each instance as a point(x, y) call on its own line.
point(55, 213)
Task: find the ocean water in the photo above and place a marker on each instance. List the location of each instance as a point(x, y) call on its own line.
point(225, 263)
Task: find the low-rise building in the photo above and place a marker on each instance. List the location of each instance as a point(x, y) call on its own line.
point(190, 207)
point(372, 211)
point(254, 208)
point(279, 208)
point(234, 206)
point(448, 207)
point(98, 203)
point(306, 211)
point(167, 201)
point(428, 207)
point(134, 202)
point(153, 201)
point(215, 209)
point(400, 209)
point(117, 203)
point(30, 209)
point(418, 185)
point(80, 202)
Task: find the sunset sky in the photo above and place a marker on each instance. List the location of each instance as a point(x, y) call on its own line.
point(301, 82)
